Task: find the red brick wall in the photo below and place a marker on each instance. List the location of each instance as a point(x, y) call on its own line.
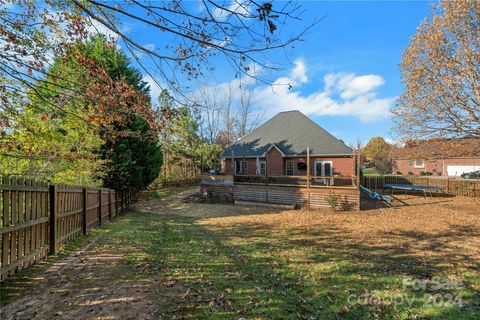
point(251, 165)
point(275, 164)
point(342, 166)
point(437, 167)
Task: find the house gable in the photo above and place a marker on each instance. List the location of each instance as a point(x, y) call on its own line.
point(291, 133)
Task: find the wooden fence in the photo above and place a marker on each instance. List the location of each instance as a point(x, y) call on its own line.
point(453, 186)
point(37, 219)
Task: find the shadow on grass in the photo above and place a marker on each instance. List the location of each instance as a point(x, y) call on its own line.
point(252, 270)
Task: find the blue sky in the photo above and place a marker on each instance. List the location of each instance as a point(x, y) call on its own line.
point(365, 38)
point(345, 74)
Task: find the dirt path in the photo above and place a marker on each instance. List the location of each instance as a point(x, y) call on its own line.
point(89, 285)
point(95, 282)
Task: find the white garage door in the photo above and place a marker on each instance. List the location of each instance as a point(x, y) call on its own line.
point(458, 170)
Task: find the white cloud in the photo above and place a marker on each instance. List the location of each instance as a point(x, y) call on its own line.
point(299, 73)
point(353, 86)
point(149, 46)
point(7, 5)
point(95, 27)
point(240, 7)
point(344, 94)
point(155, 89)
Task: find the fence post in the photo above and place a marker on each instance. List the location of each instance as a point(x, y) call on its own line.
point(110, 215)
point(53, 219)
point(100, 206)
point(85, 226)
point(116, 202)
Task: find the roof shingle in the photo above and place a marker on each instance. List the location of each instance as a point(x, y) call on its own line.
point(291, 132)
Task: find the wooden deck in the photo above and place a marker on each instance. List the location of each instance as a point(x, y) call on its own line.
point(283, 191)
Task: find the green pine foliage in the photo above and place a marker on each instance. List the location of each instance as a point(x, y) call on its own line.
point(49, 138)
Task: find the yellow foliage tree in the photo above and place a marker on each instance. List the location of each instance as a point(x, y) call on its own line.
point(377, 148)
point(441, 74)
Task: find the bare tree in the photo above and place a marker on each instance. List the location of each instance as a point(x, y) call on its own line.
point(210, 105)
point(228, 132)
point(248, 116)
point(227, 112)
point(441, 74)
point(32, 32)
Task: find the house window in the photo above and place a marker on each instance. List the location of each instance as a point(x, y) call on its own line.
point(419, 163)
point(262, 168)
point(301, 166)
point(410, 163)
point(241, 167)
point(289, 168)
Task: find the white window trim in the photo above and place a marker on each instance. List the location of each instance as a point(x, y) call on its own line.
point(322, 173)
point(286, 167)
point(245, 168)
point(264, 166)
point(421, 166)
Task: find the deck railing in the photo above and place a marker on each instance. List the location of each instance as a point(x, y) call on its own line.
point(299, 181)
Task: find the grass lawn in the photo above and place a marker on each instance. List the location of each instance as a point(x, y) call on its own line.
point(370, 172)
point(170, 259)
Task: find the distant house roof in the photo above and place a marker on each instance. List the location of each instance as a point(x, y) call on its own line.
point(439, 148)
point(291, 132)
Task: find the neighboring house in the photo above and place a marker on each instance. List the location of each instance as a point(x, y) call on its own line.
point(439, 157)
point(280, 146)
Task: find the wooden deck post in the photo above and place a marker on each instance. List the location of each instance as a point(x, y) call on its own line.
point(358, 166)
point(308, 178)
point(308, 167)
point(266, 176)
point(53, 219)
point(266, 168)
point(84, 216)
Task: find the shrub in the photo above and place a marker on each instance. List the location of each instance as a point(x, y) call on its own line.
point(333, 201)
point(346, 205)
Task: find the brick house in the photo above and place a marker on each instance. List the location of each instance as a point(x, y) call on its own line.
point(279, 148)
point(438, 157)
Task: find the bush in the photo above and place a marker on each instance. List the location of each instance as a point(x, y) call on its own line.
point(426, 173)
point(333, 201)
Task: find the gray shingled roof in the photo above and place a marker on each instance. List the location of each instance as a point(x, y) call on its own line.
point(291, 132)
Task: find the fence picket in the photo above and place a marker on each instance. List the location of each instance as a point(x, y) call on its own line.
point(457, 187)
point(37, 218)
